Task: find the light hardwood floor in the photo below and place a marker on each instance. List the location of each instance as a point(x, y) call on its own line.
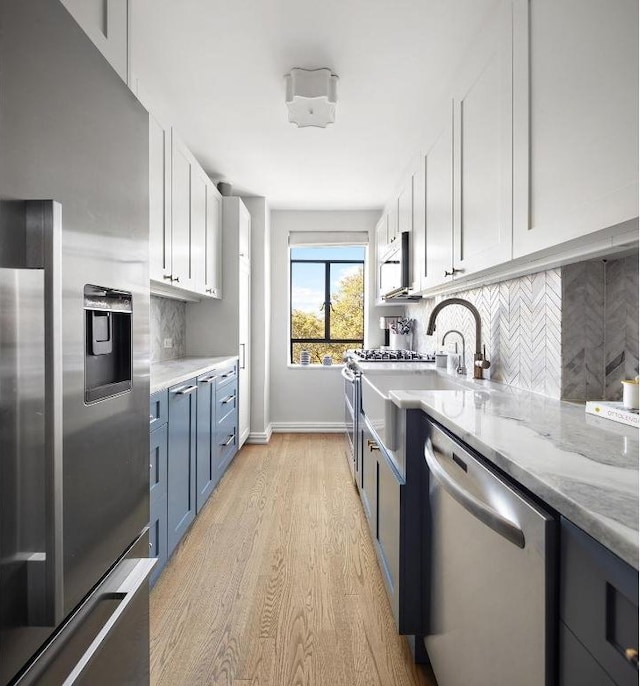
point(276, 583)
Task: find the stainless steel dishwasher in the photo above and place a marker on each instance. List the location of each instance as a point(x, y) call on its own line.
point(492, 574)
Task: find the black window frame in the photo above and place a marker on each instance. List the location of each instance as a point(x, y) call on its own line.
point(327, 304)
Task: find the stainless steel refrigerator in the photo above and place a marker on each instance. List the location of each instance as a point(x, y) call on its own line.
point(74, 358)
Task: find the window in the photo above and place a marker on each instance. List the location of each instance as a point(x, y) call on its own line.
point(327, 301)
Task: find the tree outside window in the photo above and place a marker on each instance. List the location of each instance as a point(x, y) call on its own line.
point(327, 301)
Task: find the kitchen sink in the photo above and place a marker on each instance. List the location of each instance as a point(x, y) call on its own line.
point(382, 413)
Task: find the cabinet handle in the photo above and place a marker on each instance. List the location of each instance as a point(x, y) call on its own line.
point(453, 271)
point(372, 445)
point(632, 655)
point(244, 355)
point(228, 374)
point(211, 290)
point(228, 399)
point(186, 390)
point(229, 440)
point(168, 276)
point(209, 379)
point(177, 279)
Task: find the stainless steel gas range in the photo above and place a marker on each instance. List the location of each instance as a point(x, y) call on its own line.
point(385, 355)
point(351, 373)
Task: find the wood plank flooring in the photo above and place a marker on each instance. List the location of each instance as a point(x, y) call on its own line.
point(276, 583)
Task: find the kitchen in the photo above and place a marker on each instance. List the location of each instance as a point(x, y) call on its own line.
point(166, 232)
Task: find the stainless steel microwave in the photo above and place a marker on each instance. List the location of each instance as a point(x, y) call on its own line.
point(395, 270)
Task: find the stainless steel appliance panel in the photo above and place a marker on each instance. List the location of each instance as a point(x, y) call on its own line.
point(71, 131)
point(492, 561)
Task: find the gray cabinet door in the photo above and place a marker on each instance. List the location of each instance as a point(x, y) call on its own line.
point(181, 470)
point(206, 450)
point(158, 500)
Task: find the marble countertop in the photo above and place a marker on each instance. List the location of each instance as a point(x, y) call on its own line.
point(171, 372)
point(584, 467)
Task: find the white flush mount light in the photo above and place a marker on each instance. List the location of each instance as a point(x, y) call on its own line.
point(311, 97)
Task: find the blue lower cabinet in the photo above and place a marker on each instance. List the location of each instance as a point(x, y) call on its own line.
point(227, 442)
point(369, 478)
point(206, 448)
point(181, 461)
point(158, 500)
point(598, 613)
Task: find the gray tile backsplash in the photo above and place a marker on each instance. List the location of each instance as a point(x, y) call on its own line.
point(168, 319)
point(600, 328)
point(570, 332)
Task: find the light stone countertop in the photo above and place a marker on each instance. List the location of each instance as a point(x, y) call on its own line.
point(171, 372)
point(584, 467)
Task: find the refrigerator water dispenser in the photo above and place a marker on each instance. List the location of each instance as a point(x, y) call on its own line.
point(107, 358)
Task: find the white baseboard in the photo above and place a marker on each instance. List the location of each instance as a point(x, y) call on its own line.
point(309, 427)
point(260, 437)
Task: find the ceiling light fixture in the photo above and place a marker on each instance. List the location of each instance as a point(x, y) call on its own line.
point(311, 97)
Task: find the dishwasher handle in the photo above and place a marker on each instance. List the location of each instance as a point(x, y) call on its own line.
point(487, 515)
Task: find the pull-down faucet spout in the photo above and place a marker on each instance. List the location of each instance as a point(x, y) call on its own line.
point(480, 361)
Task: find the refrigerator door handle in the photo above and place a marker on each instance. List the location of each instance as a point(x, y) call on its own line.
point(125, 593)
point(41, 250)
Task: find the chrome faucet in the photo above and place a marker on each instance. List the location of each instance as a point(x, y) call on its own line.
point(480, 361)
point(460, 369)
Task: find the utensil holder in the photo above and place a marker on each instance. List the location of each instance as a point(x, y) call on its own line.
point(400, 341)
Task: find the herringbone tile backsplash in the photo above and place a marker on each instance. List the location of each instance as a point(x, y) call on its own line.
point(521, 329)
point(570, 332)
point(167, 319)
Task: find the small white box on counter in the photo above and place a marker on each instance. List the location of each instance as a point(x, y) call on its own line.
point(615, 411)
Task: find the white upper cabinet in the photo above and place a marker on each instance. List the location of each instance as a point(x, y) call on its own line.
point(181, 268)
point(106, 22)
point(437, 258)
point(198, 242)
point(392, 221)
point(575, 119)
point(405, 207)
point(159, 199)
point(418, 235)
point(213, 247)
point(482, 151)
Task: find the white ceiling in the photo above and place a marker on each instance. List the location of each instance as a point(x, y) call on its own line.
point(219, 68)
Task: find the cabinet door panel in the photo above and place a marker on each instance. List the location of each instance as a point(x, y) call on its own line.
point(599, 601)
point(159, 195)
point(405, 207)
point(577, 665)
point(213, 248)
point(369, 481)
point(576, 119)
point(197, 243)
point(389, 529)
point(181, 470)
point(483, 174)
point(180, 214)
point(205, 442)
point(244, 364)
point(438, 164)
point(158, 500)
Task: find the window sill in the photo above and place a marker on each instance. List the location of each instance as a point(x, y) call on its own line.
point(314, 366)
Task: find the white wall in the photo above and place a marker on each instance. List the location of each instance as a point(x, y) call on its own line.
point(260, 318)
point(311, 398)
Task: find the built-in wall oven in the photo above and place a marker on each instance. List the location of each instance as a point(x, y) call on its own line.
point(351, 378)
